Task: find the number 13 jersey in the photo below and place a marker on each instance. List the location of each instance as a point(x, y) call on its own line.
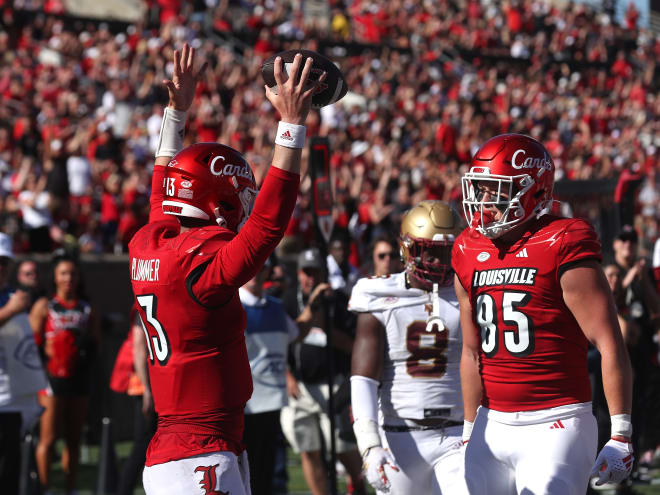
point(533, 353)
point(421, 369)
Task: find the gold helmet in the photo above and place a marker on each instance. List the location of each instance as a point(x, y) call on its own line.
point(428, 231)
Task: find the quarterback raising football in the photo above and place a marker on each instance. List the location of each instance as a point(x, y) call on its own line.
point(532, 295)
point(206, 237)
point(405, 365)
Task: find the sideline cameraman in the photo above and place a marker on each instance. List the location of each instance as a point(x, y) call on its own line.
point(307, 412)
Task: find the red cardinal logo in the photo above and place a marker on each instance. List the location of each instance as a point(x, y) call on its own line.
point(208, 481)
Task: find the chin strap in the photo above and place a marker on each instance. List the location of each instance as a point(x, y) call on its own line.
point(434, 319)
point(220, 220)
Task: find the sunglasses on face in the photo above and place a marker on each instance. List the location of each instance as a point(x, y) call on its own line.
point(382, 256)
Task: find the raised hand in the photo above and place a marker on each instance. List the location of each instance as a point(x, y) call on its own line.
point(181, 87)
point(291, 99)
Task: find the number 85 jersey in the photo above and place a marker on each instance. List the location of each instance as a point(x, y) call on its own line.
point(421, 369)
point(533, 353)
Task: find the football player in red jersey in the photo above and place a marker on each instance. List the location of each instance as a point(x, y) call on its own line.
point(186, 266)
point(532, 294)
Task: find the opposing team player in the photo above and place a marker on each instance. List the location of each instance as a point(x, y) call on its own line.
point(186, 266)
point(532, 294)
point(406, 362)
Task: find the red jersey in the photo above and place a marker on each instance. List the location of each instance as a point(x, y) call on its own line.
point(533, 353)
point(67, 328)
point(186, 289)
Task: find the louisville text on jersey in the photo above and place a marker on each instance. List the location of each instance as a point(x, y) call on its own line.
point(145, 270)
point(504, 276)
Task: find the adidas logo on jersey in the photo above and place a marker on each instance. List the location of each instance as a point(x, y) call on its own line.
point(522, 254)
point(557, 425)
point(286, 135)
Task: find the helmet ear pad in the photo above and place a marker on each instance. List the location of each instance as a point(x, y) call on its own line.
point(210, 182)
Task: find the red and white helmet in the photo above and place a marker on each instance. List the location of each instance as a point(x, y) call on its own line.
point(522, 171)
point(210, 181)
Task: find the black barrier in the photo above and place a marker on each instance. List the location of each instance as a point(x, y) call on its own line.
point(593, 200)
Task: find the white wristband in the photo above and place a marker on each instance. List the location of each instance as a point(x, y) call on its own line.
point(172, 128)
point(290, 135)
point(467, 430)
point(621, 425)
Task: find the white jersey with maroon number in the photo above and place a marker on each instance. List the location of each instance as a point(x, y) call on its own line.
point(421, 369)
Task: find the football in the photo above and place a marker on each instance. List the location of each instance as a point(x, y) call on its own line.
point(333, 88)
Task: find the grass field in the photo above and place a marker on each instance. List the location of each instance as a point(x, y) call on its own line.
point(89, 475)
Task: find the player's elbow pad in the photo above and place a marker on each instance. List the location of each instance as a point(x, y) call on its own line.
point(364, 401)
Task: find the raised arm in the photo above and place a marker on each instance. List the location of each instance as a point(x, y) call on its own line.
point(181, 90)
point(241, 258)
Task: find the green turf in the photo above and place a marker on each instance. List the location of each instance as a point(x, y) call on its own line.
point(90, 458)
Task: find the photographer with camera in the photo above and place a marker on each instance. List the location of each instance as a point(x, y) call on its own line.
point(307, 387)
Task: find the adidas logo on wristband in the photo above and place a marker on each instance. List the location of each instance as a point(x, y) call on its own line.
point(290, 135)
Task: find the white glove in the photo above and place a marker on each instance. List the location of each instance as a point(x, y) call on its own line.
point(375, 462)
point(614, 462)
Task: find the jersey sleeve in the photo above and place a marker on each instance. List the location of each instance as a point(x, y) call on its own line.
point(238, 260)
point(579, 243)
point(457, 260)
point(157, 195)
point(359, 301)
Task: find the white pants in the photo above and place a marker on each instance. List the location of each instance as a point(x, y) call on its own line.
point(546, 457)
point(305, 416)
point(429, 461)
point(218, 472)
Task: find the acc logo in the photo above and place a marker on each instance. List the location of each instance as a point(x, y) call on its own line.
point(173, 163)
point(483, 256)
point(186, 184)
point(545, 163)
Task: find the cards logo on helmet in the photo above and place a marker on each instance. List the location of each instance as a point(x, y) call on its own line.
point(544, 163)
point(229, 169)
point(209, 480)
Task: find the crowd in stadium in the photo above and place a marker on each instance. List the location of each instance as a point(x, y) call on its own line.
point(81, 104)
point(81, 107)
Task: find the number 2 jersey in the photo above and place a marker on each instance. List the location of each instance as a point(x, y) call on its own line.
point(186, 289)
point(533, 353)
point(421, 369)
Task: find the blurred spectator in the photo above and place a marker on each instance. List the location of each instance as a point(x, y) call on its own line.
point(21, 373)
point(384, 256)
point(27, 279)
point(342, 275)
point(306, 416)
point(80, 98)
point(67, 334)
point(130, 376)
point(643, 304)
point(268, 333)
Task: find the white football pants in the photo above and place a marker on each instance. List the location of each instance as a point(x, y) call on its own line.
point(429, 461)
point(552, 457)
point(218, 472)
